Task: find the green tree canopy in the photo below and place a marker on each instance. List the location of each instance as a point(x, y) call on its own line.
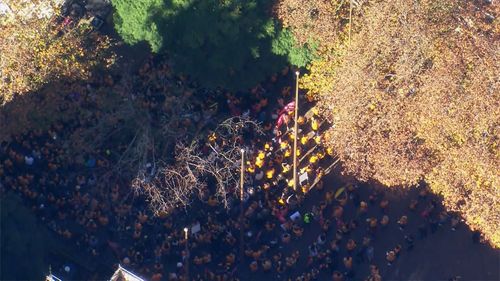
point(230, 43)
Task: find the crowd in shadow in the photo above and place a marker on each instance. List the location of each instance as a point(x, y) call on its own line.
point(285, 237)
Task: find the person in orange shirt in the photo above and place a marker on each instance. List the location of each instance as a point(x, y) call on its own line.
point(254, 266)
point(157, 277)
point(263, 102)
point(270, 173)
point(212, 137)
point(301, 120)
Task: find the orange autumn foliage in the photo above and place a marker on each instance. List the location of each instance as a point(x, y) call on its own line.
point(34, 51)
point(420, 102)
point(317, 20)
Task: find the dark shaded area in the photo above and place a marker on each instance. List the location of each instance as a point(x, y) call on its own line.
point(221, 43)
point(23, 248)
point(438, 256)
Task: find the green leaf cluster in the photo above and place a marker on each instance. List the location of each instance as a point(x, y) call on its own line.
point(232, 44)
point(285, 44)
point(133, 22)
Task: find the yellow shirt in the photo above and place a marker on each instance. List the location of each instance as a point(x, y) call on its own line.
point(329, 150)
point(288, 152)
point(259, 162)
point(270, 174)
point(314, 124)
point(251, 169)
point(286, 168)
point(313, 159)
point(283, 144)
point(321, 155)
point(315, 110)
point(261, 155)
point(305, 169)
point(317, 139)
point(303, 140)
point(305, 188)
point(267, 146)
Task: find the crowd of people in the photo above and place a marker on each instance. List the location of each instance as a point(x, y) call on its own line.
point(285, 236)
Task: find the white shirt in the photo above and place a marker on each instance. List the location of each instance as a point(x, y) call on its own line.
point(259, 176)
point(28, 160)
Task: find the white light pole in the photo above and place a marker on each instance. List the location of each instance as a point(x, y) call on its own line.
point(242, 193)
point(186, 262)
point(295, 130)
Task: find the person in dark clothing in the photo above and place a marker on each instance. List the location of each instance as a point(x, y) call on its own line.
point(409, 242)
point(433, 223)
point(476, 237)
point(422, 231)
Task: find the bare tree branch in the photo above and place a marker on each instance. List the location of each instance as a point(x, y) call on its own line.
point(170, 186)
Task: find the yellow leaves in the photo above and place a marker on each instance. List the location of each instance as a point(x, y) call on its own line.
point(415, 104)
point(470, 177)
point(318, 20)
point(35, 53)
point(319, 78)
point(457, 139)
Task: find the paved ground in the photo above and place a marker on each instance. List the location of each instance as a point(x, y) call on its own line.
point(439, 256)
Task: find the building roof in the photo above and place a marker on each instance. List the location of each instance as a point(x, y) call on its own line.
point(52, 277)
point(121, 274)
